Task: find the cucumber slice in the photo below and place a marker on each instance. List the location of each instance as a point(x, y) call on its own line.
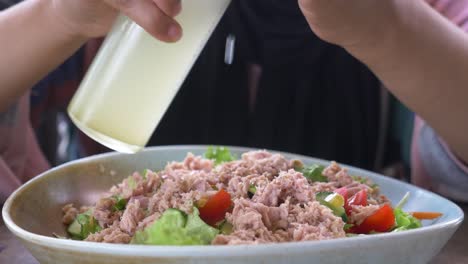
point(74, 229)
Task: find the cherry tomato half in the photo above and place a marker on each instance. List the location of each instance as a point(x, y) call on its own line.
point(216, 207)
point(383, 220)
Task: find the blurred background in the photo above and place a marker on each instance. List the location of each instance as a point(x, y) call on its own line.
point(281, 89)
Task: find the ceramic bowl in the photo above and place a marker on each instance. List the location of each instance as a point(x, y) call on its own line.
point(33, 213)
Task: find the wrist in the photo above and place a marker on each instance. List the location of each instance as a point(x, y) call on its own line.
point(382, 39)
point(56, 17)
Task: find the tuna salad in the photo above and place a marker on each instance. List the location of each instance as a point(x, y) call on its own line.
point(218, 199)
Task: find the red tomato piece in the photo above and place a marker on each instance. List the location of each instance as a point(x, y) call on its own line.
point(360, 198)
point(383, 220)
point(216, 207)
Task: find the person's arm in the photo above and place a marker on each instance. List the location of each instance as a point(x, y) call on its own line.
point(33, 43)
point(38, 35)
point(418, 54)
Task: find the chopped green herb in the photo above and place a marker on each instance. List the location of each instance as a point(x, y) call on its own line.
point(314, 173)
point(219, 155)
point(83, 225)
point(252, 191)
point(120, 203)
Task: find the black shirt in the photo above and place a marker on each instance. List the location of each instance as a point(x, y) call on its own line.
point(313, 97)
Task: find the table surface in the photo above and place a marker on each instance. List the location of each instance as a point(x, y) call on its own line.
point(456, 250)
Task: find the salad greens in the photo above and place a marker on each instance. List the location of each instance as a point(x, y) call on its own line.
point(334, 201)
point(403, 220)
point(314, 173)
point(252, 191)
point(131, 182)
point(176, 228)
point(145, 174)
point(219, 154)
point(83, 225)
point(120, 203)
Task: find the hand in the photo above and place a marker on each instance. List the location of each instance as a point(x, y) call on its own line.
point(93, 18)
point(350, 23)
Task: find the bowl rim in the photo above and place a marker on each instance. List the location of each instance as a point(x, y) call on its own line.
point(212, 250)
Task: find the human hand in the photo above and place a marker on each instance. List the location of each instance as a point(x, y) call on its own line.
point(351, 24)
point(93, 18)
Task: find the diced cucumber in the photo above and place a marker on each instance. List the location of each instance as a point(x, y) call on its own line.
point(74, 229)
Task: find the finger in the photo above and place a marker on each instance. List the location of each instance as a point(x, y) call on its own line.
point(312, 4)
point(309, 6)
point(148, 15)
point(170, 7)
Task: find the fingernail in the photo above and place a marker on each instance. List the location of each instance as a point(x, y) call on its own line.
point(174, 32)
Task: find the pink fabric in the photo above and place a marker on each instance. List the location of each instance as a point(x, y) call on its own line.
point(462, 165)
point(20, 155)
point(457, 12)
point(418, 171)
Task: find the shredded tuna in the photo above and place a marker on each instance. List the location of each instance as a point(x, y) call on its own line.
point(335, 173)
point(255, 162)
point(257, 223)
point(148, 221)
point(281, 207)
point(289, 184)
point(321, 217)
point(152, 183)
point(360, 213)
point(70, 213)
point(131, 217)
point(104, 213)
point(324, 187)
point(112, 234)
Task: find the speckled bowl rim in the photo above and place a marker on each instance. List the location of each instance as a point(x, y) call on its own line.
point(213, 251)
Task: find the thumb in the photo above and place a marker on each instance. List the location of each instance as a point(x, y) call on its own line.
point(149, 15)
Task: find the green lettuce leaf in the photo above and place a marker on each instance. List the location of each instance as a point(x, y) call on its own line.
point(405, 221)
point(176, 228)
point(83, 225)
point(314, 173)
point(198, 230)
point(120, 203)
point(252, 190)
point(219, 155)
